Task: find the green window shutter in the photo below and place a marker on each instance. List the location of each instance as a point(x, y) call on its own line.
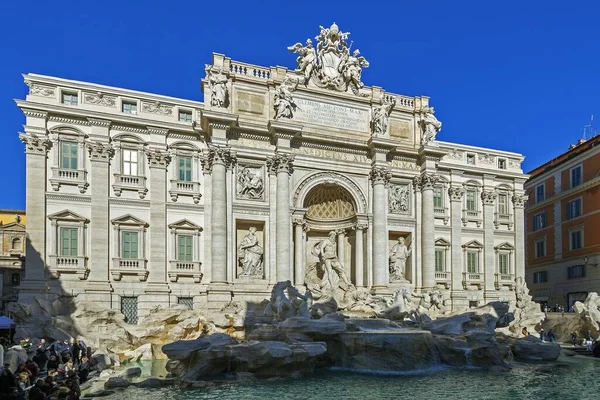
point(185, 252)
point(134, 244)
point(130, 245)
point(69, 242)
point(439, 261)
point(185, 169)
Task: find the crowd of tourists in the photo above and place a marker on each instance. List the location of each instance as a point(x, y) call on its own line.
point(53, 370)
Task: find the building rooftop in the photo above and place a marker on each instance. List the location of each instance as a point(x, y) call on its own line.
point(581, 146)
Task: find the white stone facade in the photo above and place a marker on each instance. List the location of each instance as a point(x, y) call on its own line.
point(135, 195)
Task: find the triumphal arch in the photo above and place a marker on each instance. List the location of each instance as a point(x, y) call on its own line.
point(303, 174)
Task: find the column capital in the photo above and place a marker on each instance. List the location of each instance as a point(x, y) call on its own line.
point(217, 155)
point(488, 197)
point(298, 220)
point(158, 158)
point(360, 226)
point(100, 151)
point(519, 200)
point(280, 162)
point(456, 193)
point(426, 181)
point(380, 175)
point(35, 144)
point(340, 231)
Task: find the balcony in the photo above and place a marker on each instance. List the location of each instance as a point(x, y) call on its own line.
point(443, 278)
point(507, 280)
point(472, 279)
point(130, 182)
point(185, 269)
point(69, 265)
point(129, 266)
point(472, 216)
point(441, 213)
point(65, 176)
point(503, 219)
point(185, 188)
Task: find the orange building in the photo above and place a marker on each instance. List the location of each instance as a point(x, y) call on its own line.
point(563, 226)
point(12, 253)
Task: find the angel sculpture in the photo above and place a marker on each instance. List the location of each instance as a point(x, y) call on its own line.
point(351, 66)
point(381, 115)
point(430, 125)
point(307, 58)
point(284, 101)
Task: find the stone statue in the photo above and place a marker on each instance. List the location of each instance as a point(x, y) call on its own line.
point(282, 307)
point(284, 101)
point(398, 256)
point(401, 305)
point(352, 66)
point(380, 120)
point(307, 58)
point(398, 199)
point(250, 254)
point(217, 83)
point(250, 184)
point(326, 251)
point(589, 310)
point(431, 305)
point(430, 125)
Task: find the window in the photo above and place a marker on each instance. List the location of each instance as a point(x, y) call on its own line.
point(129, 107)
point(68, 155)
point(129, 308)
point(501, 163)
point(185, 116)
point(574, 208)
point(438, 200)
point(576, 177)
point(503, 264)
point(16, 244)
point(185, 169)
point(540, 248)
point(540, 193)
point(186, 301)
point(68, 242)
point(576, 271)
point(130, 245)
point(439, 261)
point(130, 162)
point(471, 200)
point(472, 262)
point(69, 98)
point(540, 277)
point(185, 248)
point(502, 204)
point(15, 279)
point(539, 221)
point(473, 303)
point(471, 159)
point(576, 239)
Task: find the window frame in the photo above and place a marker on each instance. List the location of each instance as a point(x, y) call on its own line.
point(508, 266)
point(571, 170)
point(501, 163)
point(129, 233)
point(572, 231)
point(544, 221)
point(506, 204)
point(537, 192)
point(543, 242)
point(470, 157)
point(131, 151)
point(577, 200)
point(474, 191)
point(130, 103)
point(189, 113)
point(188, 169)
point(538, 275)
point(189, 246)
point(75, 237)
point(71, 94)
point(580, 268)
point(475, 255)
point(73, 145)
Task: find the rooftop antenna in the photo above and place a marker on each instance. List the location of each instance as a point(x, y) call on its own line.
point(589, 128)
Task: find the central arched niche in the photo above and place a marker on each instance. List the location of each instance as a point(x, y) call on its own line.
point(329, 202)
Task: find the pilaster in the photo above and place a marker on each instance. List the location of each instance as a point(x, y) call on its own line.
point(488, 198)
point(299, 248)
point(518, 200)
point(380, 177)
point(359, 256)
point(456, 194)
point(424, 184)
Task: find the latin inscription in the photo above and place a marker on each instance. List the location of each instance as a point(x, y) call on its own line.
point(332, 115)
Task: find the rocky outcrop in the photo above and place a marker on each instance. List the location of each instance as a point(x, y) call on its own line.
point(483, 318)
point(530, 348)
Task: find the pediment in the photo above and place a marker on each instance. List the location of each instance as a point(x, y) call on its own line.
point(473, 244)
point(129, 219)
point(13, 226)
point(185, 224)
point(67, 215)
point(505, 246)
point(442, 242)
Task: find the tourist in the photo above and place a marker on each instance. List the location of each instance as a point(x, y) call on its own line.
point(41, 358)
point(542, 335)
point(52, 363)
point(588, 341)
point(22, 369)
point(83, 369)
point(7, 380)
point(551, 336)
point(22, 384)
point(73, 384)
point(574, 338)
point(37, 391)
point(33, 368)
point(76, 352)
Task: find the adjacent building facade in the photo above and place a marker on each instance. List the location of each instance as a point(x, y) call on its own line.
point(136, 199)
point(12, 253)
point(563, 215)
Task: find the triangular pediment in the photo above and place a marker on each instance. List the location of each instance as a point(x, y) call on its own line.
point(505, 246)
point(442, 242)
point(67, 215)
point(129, 219)
point(473, 244)
point(185, 224)
point(13, 226)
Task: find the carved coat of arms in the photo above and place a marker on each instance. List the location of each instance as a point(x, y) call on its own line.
point(332, 65)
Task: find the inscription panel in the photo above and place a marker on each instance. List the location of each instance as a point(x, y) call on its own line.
point(332, 115)
point(250, 102)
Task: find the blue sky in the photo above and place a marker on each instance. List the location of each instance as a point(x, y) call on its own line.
point(520, 76)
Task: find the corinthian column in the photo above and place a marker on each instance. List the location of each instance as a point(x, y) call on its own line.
point(488, 198)
point(456, 197)
point(359, 255)
point(380, 177)
point(282, 164)
point(518, 203)
point(425, 184)
point(299, 225)
point(218, 160)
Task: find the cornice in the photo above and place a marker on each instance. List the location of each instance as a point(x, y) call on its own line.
point(185, 207)
point(556, 198)
point(68, 198)
point(73, 121)
point(129, 202)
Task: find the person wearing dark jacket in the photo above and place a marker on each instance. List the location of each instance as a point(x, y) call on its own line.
point(73, 384)
point(38, 392)
point(40, 358)
point(52, 363)
point(7, 380)
point(76, 352)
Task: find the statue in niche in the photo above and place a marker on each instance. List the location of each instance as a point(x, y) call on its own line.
point(217, 83)
point(250, 184)
point(284, 101)
point(333, 269)
point(430, 125)
point(352, 66)
point(398, 256)
point(250, 255)
point(398, 199)
point(307, 58)
point(381, 117)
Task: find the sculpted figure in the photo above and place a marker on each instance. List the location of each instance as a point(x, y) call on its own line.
point(351, 67)
point(326, 250)
point(282, 307)
point(284, 101)
point(250, 254)
point(380, 120)
point(218, 89)
point(307, 58)
point(398, 200)
point(430, 125)
point(250, 184)
point(398, 256)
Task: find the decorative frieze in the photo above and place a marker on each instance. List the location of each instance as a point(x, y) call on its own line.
point(34, 144)
point(488, 197)
point(157, 108)
point(280, 162)
point(456, 154)
point(100, 151)
point(158, 158)
point(456, 193)
point(514, 164)
point(100, 99)
point(486, 159)
point(380, 175)
point(250, 183)
point(399, 201)
point(40, 90)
